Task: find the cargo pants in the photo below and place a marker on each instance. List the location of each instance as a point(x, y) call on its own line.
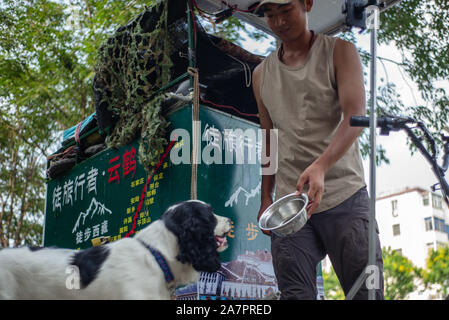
point(341, 233)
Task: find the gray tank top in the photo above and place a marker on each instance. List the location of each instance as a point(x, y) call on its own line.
point(303, 105)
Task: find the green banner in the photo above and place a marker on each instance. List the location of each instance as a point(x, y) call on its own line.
point(99, 197)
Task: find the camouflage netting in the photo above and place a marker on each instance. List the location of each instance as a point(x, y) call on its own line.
point(132, 65)
point(149, 52)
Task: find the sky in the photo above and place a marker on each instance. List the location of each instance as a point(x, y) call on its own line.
point(405, 170)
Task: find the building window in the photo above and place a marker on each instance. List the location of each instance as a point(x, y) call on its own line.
point(425, 199)
point(437, 201)
point(394, 208)
point(428, 223)
point(396, 230)
point(439, 225)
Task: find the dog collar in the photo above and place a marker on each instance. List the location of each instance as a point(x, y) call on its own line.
point(168, 275)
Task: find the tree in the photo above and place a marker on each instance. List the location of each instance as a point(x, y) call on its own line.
point(399, 275)
point(46, 68)
point(332, 287)
point(32, 68)
point(437, 271)
point(22, 191)
point(419, 30)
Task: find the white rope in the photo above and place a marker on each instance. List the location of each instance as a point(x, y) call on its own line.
point(195, 121)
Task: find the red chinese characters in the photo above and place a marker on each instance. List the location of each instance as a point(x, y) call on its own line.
point(129, 162)
point(129, 165)
point(113, 171)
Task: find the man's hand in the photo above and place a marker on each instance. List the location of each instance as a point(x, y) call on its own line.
point(314, 177)
point(263, 206)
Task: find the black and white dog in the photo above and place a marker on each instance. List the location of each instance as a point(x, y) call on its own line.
point(170, 252)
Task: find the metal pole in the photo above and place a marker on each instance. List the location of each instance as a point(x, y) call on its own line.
point(373, 122)
point(196, 140)
point(372, 245)
point(357, 285)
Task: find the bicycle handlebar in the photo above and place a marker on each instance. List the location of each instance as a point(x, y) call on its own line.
point(383, 122)
point(389, 123)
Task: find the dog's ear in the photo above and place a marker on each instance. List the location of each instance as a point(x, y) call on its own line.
point(193, 224)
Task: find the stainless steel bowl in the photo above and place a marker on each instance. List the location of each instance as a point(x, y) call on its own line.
point(285, 216)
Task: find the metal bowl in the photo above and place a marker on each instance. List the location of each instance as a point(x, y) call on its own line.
point(285, 216)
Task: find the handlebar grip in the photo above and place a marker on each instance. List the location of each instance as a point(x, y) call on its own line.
point(359, 121)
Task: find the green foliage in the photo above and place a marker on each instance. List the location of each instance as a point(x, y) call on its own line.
point(36, 69)
point(332, 288)
point(399, 275)
point(437, 271)
point(46, 72)
point(419, 30)
point(400, 278)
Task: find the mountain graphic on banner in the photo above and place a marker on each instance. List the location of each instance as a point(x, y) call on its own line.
point(248, 195)
point(95, 208)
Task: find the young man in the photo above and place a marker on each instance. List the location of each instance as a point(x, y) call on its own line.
point(308, 89)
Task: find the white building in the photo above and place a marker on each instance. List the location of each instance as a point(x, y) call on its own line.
point(413, 221)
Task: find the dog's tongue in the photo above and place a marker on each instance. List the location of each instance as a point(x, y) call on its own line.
point(221, 241)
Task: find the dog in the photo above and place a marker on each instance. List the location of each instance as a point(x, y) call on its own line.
point(170, 252)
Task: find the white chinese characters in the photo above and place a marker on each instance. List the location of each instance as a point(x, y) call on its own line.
point(73, 190)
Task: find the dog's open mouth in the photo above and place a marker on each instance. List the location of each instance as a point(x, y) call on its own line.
point(222, 243)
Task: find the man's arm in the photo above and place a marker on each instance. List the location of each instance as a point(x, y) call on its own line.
point(351, 93)
point(267, 187)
